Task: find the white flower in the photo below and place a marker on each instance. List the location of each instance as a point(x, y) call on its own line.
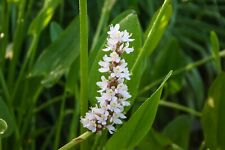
point(101, 115)
point(116, 118)
point(125, 74)
point(103, 84)
point(104, 66)
point(115, 106)
point(114, 57)
point(114, 30)
point(127, 49)
point(89, 121)
point(126, 36)
point(111, 129)
point(121, 87)
point(108, 95)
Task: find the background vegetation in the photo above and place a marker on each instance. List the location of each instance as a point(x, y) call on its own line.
point(40, 72)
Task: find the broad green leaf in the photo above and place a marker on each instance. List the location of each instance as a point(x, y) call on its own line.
point(3, 127)
point(131, 24)
point(6, 115)
point(178, 130)
point(213, 119)
point(43, 17)
point(135, 129)
point(55, 30)
point(215, 49)
point(157, 141)
point(57, 58)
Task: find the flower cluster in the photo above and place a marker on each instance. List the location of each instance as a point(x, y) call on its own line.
point(113, 90)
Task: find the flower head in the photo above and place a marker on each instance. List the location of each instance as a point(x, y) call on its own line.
point(114, 94)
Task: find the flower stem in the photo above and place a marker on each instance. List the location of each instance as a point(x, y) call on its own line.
point(83, 57)
point(183, 69)
point(83, 62)
point(180, 107)
point(0, 142)
point(76, 141)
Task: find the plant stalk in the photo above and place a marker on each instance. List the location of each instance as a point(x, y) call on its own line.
point(83, 57)
point(180, 107)
point(76, 141)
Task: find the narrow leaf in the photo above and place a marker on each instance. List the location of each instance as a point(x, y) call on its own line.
point(215, 49)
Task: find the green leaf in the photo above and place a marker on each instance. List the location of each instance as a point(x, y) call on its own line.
point(159, 30)
point(152, 37)
point(3, 127)
point(215, 50)
point(135, 129)
point(55, 30)
point(181, 126)
point(131, 24)
point(6, 115)
point(213, 119)
point(43, 17)
point(57, 58)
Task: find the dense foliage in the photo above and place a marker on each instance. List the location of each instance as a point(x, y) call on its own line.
point(47, 81)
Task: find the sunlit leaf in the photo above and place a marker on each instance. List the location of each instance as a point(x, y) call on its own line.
point(215, 49)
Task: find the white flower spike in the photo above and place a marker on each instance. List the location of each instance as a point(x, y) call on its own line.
point(114, 94)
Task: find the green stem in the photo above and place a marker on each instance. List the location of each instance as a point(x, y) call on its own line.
point(0, 142)
point(4, 86)
point(48, 103)
point(83, 57)
point(76, 141)
point(180, 107)
point(184, 69)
